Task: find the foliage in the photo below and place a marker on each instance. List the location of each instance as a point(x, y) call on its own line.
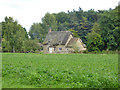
point(102, 24)
point(13, 35)
point(75, 33)
point(94, 40)
point(37, 31)
point(109, 22)
point(31, 46)
point(15, 38)
point(62, 17)
point(116, 35)
point(84, 30)
point(59, 71)
point(49, 21)
point(40, 30)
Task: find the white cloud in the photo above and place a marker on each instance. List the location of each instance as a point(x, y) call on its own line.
point(29, 11)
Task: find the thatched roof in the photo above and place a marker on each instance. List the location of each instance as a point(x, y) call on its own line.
point(57, 37)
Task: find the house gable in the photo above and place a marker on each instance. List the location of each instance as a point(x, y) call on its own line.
point(76, 43)
point(70, 37)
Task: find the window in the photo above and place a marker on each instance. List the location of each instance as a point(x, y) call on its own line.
point(51, 50)
point(60, 49)
point(67, 49)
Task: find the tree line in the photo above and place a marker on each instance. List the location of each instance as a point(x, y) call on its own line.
point(15, 38)
point(99, 30)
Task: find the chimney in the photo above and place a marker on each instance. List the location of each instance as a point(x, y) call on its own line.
point(50, 29)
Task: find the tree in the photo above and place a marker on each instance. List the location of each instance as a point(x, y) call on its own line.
point(13, 35)
point(31, 45)
point(63, 20)
point(74, 20)
point(116, 35)
point(62, 17)
point(79, 14)
point(49, 21)
point(92, 16)
point(108, 23)
point(94, 40)
point(26, 34)
point(96, 27)
point(37, 31)
point(83, 30)
point(75, 33)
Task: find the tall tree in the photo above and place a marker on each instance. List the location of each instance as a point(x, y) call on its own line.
point(94, 40)
point(63, 20)
point(49, 21)
point(83, 29)
point(108, 24)
point(37, 31)
point(13, 35)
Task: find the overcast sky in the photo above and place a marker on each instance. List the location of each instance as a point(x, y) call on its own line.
point(27, 12)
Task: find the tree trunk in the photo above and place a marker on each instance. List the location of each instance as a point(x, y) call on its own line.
point(13, 49)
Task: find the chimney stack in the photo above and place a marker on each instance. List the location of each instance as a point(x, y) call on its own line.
point(50, 29)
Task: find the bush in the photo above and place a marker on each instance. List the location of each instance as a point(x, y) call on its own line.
point(41, 52)
point(85, 51)
point(109, 52)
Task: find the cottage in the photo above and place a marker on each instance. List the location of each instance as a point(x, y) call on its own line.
point(62, 42)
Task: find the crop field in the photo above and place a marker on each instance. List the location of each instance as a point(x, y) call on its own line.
point(20, 70)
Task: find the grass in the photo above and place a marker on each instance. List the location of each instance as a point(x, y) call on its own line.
point(59, 70)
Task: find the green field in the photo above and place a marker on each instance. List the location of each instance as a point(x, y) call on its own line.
point(59, 70)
